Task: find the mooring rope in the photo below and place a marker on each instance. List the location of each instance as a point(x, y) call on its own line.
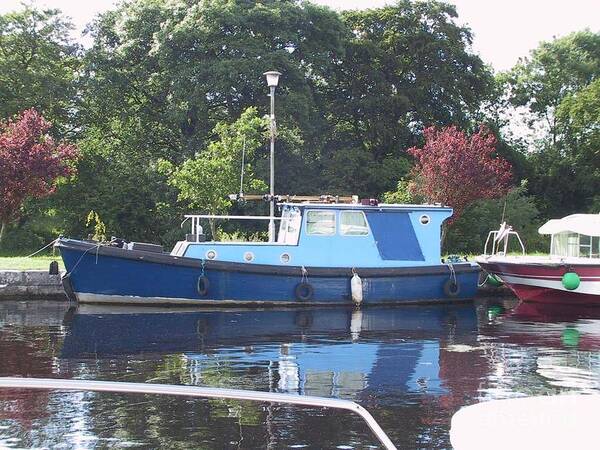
point(95, 247)
point(452, 272)
point(43, 248)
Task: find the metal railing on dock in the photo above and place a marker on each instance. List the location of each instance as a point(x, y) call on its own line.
point(197, 391)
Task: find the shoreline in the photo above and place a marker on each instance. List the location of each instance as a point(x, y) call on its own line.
point(30, 284)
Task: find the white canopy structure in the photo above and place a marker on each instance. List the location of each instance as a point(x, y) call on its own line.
point(586, 224)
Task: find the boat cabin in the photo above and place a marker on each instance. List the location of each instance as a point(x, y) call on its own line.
point(334, 235)
point(577, 236)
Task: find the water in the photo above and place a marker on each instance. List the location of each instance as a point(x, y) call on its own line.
point(411, 367)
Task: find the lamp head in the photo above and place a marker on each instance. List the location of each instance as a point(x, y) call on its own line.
point(272, 78)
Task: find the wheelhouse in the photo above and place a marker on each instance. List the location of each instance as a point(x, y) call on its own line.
point(336, 235)
point(576, 236)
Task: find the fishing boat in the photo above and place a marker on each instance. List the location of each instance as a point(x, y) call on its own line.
point(570, 274)
point(328, 251)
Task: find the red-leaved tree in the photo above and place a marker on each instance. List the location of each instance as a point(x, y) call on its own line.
point(455, 169)
point(30, 163)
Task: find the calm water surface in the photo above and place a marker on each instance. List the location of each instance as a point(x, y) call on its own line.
point(411, 367)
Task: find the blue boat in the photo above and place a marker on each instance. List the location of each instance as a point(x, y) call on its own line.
point(324, 254)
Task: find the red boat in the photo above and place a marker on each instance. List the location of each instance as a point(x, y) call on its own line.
point(570, 274)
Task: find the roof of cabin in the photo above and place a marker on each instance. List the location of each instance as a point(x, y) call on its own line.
point(586, 224)
point(358, 206)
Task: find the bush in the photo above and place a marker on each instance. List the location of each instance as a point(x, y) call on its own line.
point(469, 232)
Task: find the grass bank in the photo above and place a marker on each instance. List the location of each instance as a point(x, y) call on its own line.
point(33, 263)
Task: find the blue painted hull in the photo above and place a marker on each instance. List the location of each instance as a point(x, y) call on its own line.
point(114, 275)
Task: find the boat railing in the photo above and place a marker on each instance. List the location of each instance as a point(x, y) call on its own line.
point(196, 219)
point(499, 242)
point(197, 391)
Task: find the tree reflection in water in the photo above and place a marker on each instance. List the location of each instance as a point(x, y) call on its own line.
point(411, 367)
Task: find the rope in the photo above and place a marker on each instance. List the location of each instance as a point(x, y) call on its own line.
point(483, 282)
point(452, 272)
point(304, 275)
point(43, 248)
point(96, 247)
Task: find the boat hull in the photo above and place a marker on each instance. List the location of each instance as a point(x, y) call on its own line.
point(104, 274)
point(542, 282)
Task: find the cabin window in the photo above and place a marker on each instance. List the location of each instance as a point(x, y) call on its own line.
point(320, 223)
point(353, 223)
point(575, 245)
point(289, 229)
point(585, 246)
point(595, 247)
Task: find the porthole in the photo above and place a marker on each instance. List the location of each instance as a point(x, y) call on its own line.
point(424, 219)
point(248, 256)
point(211, 254)
point(285, 258)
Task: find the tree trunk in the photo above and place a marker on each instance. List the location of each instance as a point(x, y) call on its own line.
point(2, 230)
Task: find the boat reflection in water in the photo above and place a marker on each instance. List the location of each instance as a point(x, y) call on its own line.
point(412, 367)
point(559, 343)
point(327, 351)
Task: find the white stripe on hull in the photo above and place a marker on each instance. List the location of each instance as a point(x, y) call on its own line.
point(586, 287)
point(547, 277)
point(86, 297)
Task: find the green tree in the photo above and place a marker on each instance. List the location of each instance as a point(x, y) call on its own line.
point(38, 65)
point(553, 71)
point(563, 167)
point(517, 208)
point(407, 66)
point(205, 181)
point(579, 117)
point(161, 75)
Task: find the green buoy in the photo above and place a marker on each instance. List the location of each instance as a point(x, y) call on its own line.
point(494, 311)
point(570, 337)
point(571, 281)
point(493, 280)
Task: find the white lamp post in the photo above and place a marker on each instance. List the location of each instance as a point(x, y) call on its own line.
point(272, 81)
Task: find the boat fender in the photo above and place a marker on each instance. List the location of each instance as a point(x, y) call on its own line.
point(303, 319)
point(304, 291)
point(493, 280)
point(356, 288)
point(451, 288)
point(203, 285)
point(571, 281)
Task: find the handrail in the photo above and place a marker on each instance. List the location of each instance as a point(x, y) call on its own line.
point(493, 235)
point(197, 391)
point(197, 229)
point(213, 216)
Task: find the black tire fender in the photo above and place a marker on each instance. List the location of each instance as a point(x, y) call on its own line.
point(304, 291)
point(451, 288)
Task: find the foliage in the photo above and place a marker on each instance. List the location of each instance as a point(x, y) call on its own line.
point(38, 65)
point(455, 169)
point(150, 100)
point(556, 84)
point(205, 181)
point(30, 162)
point(99, 227)
point(402, 194)
point(469, 232)
point(579, 115)
point(553, 71)
point(407, 65)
